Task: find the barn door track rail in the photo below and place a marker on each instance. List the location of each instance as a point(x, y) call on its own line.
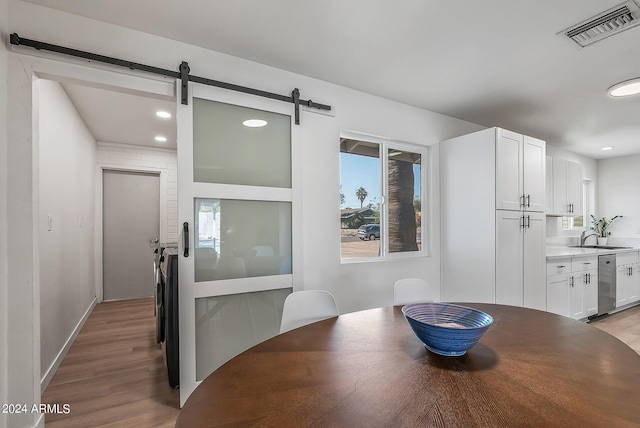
point(182, 74)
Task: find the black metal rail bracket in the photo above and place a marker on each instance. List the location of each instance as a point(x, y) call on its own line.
point(184, 79)
point(182, 74)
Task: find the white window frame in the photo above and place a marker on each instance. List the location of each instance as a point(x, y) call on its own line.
point(384, 144)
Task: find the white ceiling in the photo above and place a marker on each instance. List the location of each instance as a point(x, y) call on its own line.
point(116, 117)
point(491, 62)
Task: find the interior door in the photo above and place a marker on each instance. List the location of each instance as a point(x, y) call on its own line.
point(238, 188)
point(131, 219)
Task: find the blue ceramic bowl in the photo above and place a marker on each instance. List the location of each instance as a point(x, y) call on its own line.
point(446, 329)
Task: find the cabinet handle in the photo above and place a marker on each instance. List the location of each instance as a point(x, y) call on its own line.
point(571, 281)
point(528, 201)
point(528, 222)
point(562, 266)
point(522, 221)
point(522, 200)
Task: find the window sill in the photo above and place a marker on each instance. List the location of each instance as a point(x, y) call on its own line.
point(408, 256)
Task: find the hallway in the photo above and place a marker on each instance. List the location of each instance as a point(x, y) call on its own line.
point(114, 373)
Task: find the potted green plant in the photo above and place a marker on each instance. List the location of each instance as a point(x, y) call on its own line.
point(601, 226)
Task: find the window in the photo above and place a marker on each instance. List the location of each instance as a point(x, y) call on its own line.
point(381, 198)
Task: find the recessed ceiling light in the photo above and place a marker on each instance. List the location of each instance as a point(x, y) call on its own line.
point(163, 114)
point(161, 139)
point(626, 88)
point(607, 148)
point(254, 123)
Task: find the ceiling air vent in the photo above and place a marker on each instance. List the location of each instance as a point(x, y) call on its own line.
point(605, 24)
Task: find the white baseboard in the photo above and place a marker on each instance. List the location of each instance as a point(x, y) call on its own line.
point(44, 382)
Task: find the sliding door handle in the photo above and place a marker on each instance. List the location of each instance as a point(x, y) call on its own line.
point(185, 238)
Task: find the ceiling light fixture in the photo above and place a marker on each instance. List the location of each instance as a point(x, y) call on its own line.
point(607, 148)
point(163, 114)
point(626, 88)
point(254, 123)
point(161, 139)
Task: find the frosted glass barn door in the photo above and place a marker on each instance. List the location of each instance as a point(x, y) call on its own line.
point(238, 218)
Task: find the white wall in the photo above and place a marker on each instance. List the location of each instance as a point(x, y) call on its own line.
point(140, 158)
point(618, 193)
point(67, 157)
point(4, 346)
point(589, 166)
point(23, 315)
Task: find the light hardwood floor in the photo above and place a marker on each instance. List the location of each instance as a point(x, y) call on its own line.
point(114, 373)
point(624, 325)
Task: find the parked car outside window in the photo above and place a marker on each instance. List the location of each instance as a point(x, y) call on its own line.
point(369, 231)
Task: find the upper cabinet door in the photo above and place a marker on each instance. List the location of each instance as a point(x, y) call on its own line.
point(560, 204)
point(548, 197)
point(509, 175)
point(534, 152)
point(574, 187)
point(567, 188)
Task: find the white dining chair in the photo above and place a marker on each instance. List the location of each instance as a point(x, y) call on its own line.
point(305, 307)
point(411, 290)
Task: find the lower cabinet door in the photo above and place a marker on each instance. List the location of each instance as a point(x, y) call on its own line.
point(633, 290)
point(576, 295)
point(622, 285)
point(558, 294)
point(591, 293)
point(509, 257)
point(535, 259)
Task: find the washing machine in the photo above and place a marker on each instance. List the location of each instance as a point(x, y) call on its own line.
point(169, 313)
point(159, 288)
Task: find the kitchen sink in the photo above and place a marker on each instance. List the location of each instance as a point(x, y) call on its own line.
point(604, 247)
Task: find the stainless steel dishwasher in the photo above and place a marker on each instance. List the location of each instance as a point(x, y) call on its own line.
point(606, 283)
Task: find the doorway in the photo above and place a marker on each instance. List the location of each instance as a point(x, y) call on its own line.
point(131, 226)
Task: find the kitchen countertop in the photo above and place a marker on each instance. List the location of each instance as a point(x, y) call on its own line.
point(559, 252)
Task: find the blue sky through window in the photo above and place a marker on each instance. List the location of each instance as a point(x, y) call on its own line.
point(363, 171)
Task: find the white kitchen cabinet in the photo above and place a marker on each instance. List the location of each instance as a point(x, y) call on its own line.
point(573, 294)
point(591, 293)
point(503, 262)
point(558, 294)
point(520, 172)
point(634, 286)
point(583, 294)
point(627, 278)
point(567, 188)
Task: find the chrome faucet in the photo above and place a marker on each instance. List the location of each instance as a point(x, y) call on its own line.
point(585, 234)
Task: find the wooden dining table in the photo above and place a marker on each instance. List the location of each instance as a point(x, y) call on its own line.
point(368, 369)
